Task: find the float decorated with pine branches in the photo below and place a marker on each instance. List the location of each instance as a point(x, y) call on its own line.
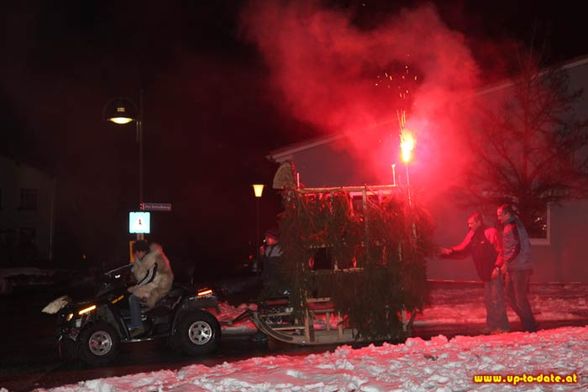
point(353, 264)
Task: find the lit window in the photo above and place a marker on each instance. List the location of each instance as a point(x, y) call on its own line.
point(539, 227)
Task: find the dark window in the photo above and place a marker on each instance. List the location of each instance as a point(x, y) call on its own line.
point(322, 259)
point(357, 202)
point(27, 235)
point(28, 199)
point(26, 250)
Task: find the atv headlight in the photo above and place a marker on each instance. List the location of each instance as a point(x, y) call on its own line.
point(202, 293)
point(87, 310)
point(69, 317)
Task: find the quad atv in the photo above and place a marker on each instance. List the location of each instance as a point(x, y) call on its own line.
point(92, 330)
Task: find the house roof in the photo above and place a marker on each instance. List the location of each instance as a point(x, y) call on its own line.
point(573, 63)
point(285, 153)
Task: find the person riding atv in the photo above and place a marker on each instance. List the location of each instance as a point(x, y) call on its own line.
point(92, 330)
point(154, 277)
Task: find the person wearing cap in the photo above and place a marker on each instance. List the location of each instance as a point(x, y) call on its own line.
point(271, 246)
point(272, 270)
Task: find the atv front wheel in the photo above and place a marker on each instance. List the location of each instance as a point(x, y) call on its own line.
point(98, 344)
point(68, 349)
point(197, 333)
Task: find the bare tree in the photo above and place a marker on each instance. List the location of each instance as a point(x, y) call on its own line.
point(531, 145)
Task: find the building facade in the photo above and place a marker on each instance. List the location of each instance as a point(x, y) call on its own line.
point(27, 214)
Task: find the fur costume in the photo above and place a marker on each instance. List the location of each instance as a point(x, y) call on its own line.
point(152, 291)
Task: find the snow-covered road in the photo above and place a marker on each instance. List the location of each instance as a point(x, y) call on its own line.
point(531, 361)
point(436, 364)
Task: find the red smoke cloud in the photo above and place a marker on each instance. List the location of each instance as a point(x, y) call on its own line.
point(330, 73)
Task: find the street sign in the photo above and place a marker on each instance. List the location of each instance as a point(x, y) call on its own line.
point(139, 222)
point(145, 206)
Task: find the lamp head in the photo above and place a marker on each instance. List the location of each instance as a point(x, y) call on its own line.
point(120, 111)
point(258, 189)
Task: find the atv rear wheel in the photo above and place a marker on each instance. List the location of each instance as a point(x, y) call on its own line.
point(197, 333)
point(98, 344)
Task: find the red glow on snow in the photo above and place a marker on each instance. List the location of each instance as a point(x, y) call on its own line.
point(342, 79)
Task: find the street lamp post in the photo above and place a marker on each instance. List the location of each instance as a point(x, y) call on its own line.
point(122, 111)
point(257, 191)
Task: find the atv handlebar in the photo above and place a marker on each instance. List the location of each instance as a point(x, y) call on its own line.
point(118, 270)
point(115, 278)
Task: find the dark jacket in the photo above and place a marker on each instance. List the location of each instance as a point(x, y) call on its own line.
point(485, 247)
point(516, 246)
point(273, 273)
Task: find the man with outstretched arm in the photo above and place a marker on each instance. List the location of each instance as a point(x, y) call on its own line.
point(483, 244)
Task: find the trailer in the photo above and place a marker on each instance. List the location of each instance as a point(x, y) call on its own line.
point(354, 260)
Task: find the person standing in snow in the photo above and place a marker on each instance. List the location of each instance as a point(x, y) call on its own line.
point(484, 245)
point(517, 265)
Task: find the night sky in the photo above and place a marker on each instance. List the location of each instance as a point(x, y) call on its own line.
point(211, 113)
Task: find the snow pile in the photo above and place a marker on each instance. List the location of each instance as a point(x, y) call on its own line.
point(457, 305)
point(417, 365)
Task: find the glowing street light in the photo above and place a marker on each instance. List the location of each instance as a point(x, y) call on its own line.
point(258, 192)
point(122, 111)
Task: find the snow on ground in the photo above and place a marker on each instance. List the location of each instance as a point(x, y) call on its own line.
point(455, 304)
point(465, 305)
point(417, 365)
